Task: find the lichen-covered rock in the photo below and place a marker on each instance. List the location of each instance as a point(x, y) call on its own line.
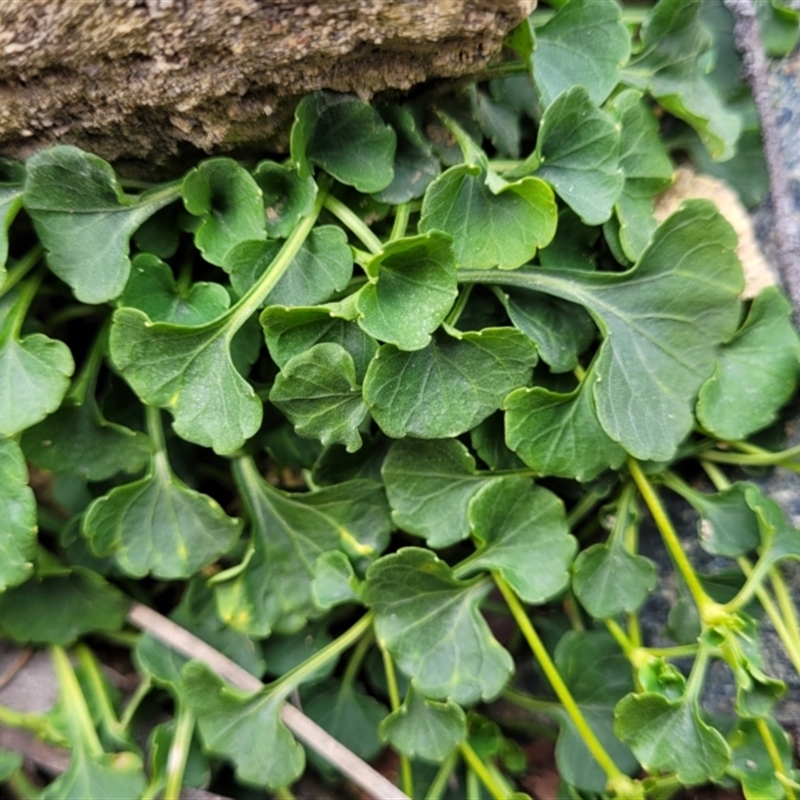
point(147, 80)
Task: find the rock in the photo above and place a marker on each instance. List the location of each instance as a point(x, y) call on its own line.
point(149, 80)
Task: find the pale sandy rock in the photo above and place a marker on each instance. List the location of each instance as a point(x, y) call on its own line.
point(688, 185)
point(150, 79)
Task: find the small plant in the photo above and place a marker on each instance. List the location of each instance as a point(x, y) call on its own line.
point(328, 412)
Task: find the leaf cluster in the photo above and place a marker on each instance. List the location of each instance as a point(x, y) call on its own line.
point(406, 389)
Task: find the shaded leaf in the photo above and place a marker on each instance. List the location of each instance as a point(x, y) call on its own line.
point(318, 393)
point(559, 434)
point(424, 728)
point(85, 220)
point(430, 623)
point(12, 180)
point(323, 265)
point(346, 137)
point(17, 517)
point(272, 588)
point(449, 386)
point(243, 727)
point(521, 532)
point(429, 485)
point(152, 288)
point(58, 608)
point(415, 165)
point(287, 197)
point(757, 371)
point(228, 201)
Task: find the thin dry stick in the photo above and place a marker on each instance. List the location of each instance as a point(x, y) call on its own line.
point(19, 662)
point(335, 753)
point(754, 71)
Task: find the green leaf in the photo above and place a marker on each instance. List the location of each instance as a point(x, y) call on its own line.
point(412, 285)
point(430, 623)
point(597, 674)
point(608, 579)
point(560, 329)
point(318, 392)
point(230, 204)
point(521, 532)
point(488, 441)
point(490, 227)
point(757, 371)
point(670, 736)
point(429, 485)
point(348, 714)
point(560, 434)
point(112, 775)
point(662, 322)
point(752, 764)
point(243, 726)
point(292, 331)
point(189, 371)
point(423, 728)
point(448, 387)
point(634, 216)
point(574, 245)
point(10, 762)
point(152, 288)
point(415, 165)
point(323, 266)
point(346, 137)
point(287, 197)
point(673, 41)
point(728, 525)
point(12, 180)
point(158, 525)
point(85, 220)
point(272, 589)
point(778, 23)
point(779, 539)
point(35, 368)
point(577, 151)
point(17, 517)
point(334, 580)
point(58, 608)
point(585, 43)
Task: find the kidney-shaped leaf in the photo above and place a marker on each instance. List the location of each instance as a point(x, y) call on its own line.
point(412, 285)
point(502, 228)
point(430, 623)
point(429, 485)
point(449, 386)
point(346, 137)
point(84, 219)
point(522, 533)
point(287, 197)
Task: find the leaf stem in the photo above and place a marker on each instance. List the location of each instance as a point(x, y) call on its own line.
point(353, 223)
point(697, 675)
point(774, 757)
point(179, 753)
point(394, 703)
point(458, 306)
point(141, 691)
point(99, 694)
point(792, 649)
point(439, 784)
point(402, 214)
point(496, 790)
point(785, 604)
point(12, 326)
point(86, 379)
point(753, 457)
point(76, 711)
point(292, 679)
point(21, 268)
point(356, 659)
point(563, 693)
point(255, 296)
point(155, 430)
point(532, 703)
point(705, 604)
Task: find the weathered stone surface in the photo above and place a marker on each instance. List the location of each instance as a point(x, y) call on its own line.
point(152, 79)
